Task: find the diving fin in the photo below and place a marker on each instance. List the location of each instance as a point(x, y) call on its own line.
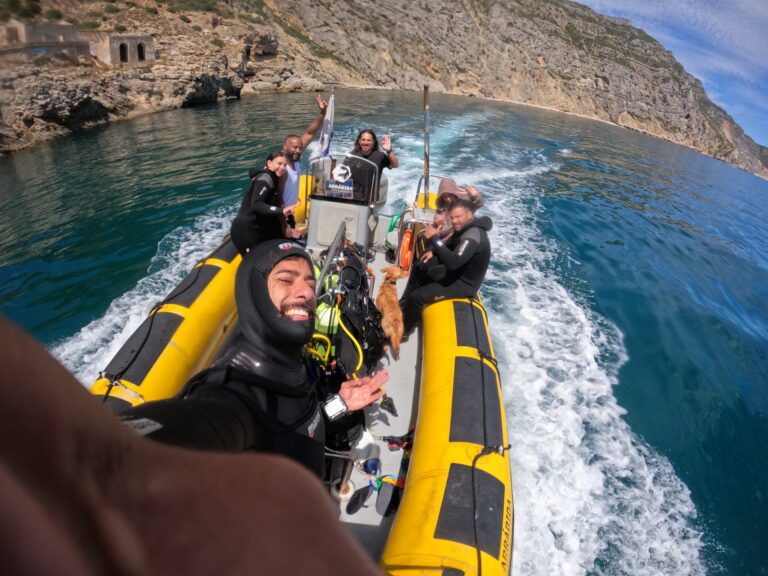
point(358, 499)
point(384, 497)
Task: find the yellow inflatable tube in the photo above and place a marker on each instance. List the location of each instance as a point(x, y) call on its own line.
point(180, 337)
point(306, 184)
point(457, 509)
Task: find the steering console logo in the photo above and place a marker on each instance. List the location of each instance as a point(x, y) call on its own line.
point(342, 173)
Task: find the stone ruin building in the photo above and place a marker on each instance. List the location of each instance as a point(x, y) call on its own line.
point(118, 49)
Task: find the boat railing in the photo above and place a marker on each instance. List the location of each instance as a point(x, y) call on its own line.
point(424, 205)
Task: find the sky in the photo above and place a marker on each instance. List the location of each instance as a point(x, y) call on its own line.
point(724, 43)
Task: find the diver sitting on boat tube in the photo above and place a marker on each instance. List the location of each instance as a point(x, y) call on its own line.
point(258, 396)
point(260, 217)
point(457, 259)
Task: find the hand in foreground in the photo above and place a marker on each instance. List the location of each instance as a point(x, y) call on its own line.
point(88, 497)
point(322, 104)
point(288, 210)
point(429, 231)
point(386, 144)
point(427, 256)
point(362, 392)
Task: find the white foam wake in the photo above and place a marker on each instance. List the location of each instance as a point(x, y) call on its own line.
point(590, 496)
point(90, 349)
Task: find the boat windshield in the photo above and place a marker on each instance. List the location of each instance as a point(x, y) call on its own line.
point(354, 180)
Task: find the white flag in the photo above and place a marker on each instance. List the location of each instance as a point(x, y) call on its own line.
point(326, 135)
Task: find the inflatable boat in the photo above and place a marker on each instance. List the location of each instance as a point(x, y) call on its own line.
point(426, 487)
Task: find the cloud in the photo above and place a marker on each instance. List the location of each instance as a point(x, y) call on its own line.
point(724, 43)
point(704, 62)
point(738, 28)
point(757, 98)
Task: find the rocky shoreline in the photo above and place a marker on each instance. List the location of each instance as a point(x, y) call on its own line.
point(556, 55)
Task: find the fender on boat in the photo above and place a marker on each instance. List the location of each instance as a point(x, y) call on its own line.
point(179, 338)
point(457, 507)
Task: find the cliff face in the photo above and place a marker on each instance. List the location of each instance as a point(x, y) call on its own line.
point(552, 53)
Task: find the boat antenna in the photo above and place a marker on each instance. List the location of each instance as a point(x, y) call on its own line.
point(426, 140)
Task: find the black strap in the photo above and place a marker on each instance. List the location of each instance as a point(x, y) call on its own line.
point(220, 375)
point(269, 416)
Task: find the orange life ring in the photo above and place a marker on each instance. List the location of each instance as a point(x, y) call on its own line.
point(406, 250)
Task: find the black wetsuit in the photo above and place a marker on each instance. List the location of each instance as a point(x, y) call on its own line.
point(260, 217)
point(456, 270)
point(257, 395)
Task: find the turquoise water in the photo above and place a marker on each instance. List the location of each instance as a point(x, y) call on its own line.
point(627, 297)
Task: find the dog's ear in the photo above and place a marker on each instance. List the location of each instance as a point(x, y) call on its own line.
point(394, 273)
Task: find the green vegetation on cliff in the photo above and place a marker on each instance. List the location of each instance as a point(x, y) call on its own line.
point(19, 8)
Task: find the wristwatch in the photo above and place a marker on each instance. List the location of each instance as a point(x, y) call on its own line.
point(335, 407)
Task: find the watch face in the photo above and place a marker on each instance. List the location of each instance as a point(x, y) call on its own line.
point(335, 407)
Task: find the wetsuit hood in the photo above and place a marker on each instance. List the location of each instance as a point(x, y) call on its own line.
point(483, 222)
point(280, 340)
point(254, 172)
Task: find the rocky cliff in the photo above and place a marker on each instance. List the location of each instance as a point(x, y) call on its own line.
point(552, 53)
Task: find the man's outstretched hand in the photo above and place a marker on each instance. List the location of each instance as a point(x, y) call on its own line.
point(322, 104)
point(364, 391)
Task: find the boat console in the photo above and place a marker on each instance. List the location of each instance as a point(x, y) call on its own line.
point(343, 191)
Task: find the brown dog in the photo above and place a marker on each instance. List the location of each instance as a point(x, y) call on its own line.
point(389, 306)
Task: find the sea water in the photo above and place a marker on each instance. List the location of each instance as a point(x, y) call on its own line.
point(628, 299)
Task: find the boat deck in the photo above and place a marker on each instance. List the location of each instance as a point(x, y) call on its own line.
point(367, 524)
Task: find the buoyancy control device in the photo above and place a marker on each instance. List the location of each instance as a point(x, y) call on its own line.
point(348, 324)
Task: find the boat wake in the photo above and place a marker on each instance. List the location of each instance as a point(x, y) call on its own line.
point(91, 348)
point(591, 497)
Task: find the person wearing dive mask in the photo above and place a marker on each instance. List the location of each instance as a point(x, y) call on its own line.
point(257, 395)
